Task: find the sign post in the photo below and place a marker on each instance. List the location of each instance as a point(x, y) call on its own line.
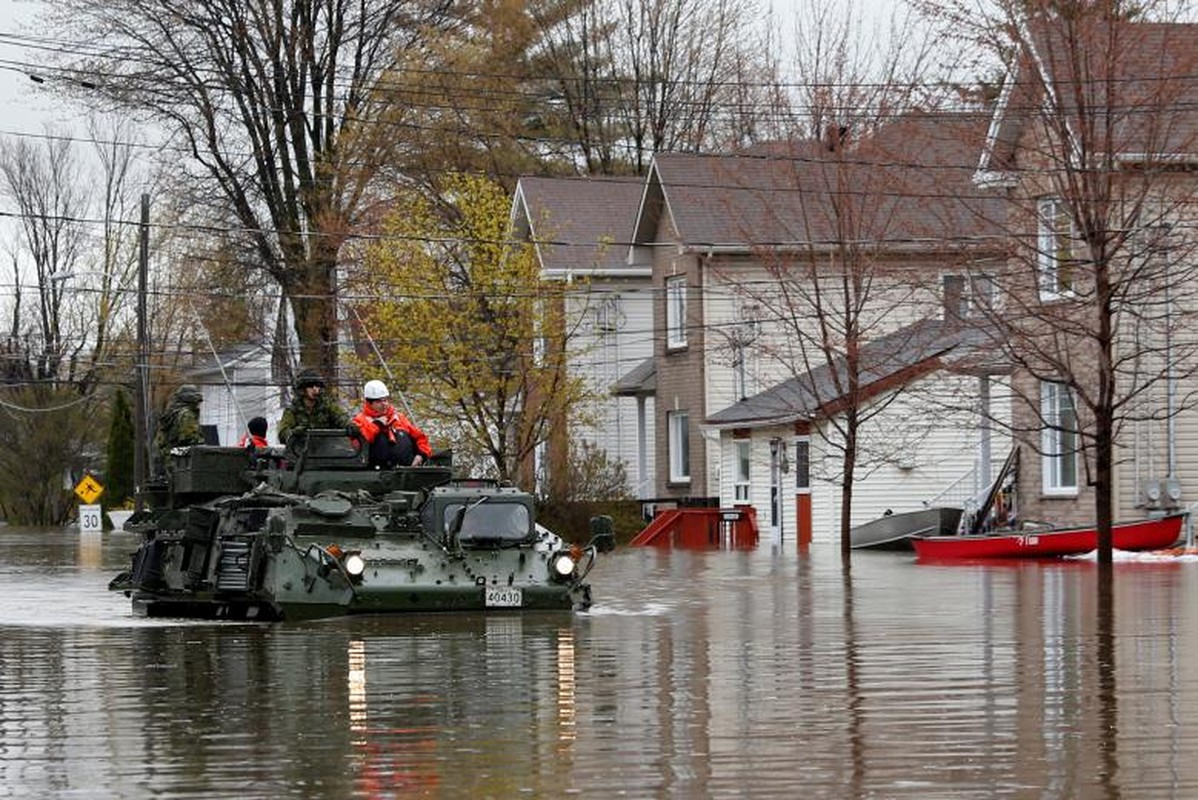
point(91, 516)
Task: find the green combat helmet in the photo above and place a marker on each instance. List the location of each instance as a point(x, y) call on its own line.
point(308, 377)
point(188, 394)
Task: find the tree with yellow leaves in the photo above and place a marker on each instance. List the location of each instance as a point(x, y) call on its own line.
point(465, 323)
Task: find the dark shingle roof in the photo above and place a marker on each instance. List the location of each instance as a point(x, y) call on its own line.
point(903, 354)
point(1136, 80)
point(580, 223)
point(640, 381)
point(906, 184)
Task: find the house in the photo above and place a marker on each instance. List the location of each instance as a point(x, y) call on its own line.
point(929, 440)
point(579, 228)
point(238, 384)
point(1093, 146)
point(740, 242)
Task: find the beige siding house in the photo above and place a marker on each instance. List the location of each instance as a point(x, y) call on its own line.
point(1097, 165)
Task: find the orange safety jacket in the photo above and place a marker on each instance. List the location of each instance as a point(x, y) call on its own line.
point(258, 441)
point(393, 422)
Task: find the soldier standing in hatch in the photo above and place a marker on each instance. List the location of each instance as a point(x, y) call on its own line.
point(179, 425)
point(311, 407)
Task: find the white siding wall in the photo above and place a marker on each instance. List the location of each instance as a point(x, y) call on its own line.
point(774, 355)
point(613, 334)
point(256, 398)
point(925, 460)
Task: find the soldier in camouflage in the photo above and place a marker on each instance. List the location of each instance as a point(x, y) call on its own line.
point(179, 425)
point(311, 407)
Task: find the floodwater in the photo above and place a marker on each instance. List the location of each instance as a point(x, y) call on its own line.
point(697, 674)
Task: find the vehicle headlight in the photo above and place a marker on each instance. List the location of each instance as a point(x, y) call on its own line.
point(561, 566)
point(355, 565)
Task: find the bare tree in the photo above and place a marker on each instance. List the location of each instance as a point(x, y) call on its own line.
point(856, 219)
point(73, 258)
point(849, 74)
point(627, 78)
point(43, 182)
point(853, 235)
point(273, 100)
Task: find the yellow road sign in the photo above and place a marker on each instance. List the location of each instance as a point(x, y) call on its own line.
point(88, 489)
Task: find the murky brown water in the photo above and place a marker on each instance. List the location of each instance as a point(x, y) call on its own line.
point(719, 674)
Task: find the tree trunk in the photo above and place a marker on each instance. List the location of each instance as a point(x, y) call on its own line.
point(846, 495)
point(313, 297)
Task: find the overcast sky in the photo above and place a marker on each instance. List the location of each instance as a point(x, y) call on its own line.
point(24, 111)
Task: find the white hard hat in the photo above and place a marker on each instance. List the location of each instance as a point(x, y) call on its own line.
point(375, 390)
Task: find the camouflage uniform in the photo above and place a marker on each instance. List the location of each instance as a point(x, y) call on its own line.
point(179, 425)
point(324, 413)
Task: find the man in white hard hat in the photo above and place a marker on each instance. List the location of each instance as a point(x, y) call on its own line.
point(393, 439)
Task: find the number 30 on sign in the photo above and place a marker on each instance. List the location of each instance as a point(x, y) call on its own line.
point(91, 519)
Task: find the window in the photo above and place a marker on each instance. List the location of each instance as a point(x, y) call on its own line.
point(1060, 439)
point(480, 522)
point(742, 450)
point(744, 332)
point(972, 294)
point(608, 314)
point(676, 311)
point(1056, 256)
point(802, 463)
point(678, 425)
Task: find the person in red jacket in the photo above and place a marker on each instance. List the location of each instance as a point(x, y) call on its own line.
point(393, 439)
point(255, 434)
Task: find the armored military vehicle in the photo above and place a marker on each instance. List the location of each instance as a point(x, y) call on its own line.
point(311, 531)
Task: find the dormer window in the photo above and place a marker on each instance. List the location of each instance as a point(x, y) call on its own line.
point(1056, 256)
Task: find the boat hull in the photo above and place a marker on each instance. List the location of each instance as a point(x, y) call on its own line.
point(1152, 534)
point(894, 531)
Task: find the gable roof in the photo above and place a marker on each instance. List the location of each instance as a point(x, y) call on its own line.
point(578, 225)
point(906, 185)
point(886, 363)
point(1138, 75)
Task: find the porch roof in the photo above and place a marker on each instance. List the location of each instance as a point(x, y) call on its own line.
point(887, 363)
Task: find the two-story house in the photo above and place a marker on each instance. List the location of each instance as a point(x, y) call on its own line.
point(769, 263)
point(1093, 147)
point(579, 228)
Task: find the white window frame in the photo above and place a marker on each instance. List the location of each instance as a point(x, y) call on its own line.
point(742, 470)
point(678, 444)
point(1059, 440)
point(800, 465)
point(676, 312)
point(1056, 253)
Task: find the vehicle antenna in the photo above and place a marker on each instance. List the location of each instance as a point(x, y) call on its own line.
point(224, 376)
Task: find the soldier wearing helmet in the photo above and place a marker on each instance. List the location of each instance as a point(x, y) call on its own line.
point(393, 439)
point(179, 425)
point(310, 407)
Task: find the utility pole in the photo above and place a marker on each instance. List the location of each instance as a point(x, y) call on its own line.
point(142, 394)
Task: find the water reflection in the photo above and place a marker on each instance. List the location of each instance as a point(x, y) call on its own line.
point(1108, 711)
point(723, 674)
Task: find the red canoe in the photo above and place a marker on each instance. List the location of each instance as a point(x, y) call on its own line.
point(1149, 534)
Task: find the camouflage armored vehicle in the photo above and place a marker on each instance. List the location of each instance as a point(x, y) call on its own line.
point(312, 531)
